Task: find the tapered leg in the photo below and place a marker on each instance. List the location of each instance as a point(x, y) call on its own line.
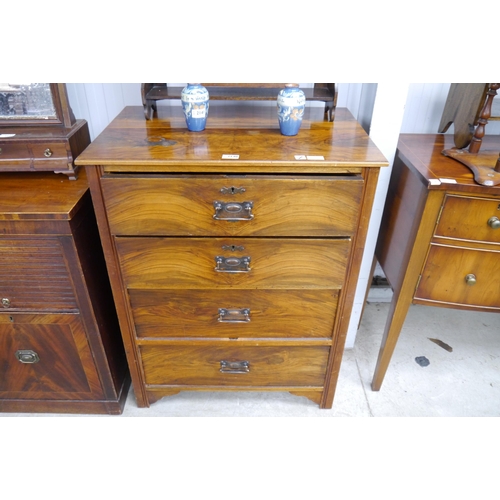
point(397, 314)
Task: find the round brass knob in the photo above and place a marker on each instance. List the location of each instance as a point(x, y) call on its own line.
point(470, 279)
point(47, 153)
point(494, 222)
point(5, 302)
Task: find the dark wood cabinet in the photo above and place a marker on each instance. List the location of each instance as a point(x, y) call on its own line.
point(60, 344)
point(233, 272)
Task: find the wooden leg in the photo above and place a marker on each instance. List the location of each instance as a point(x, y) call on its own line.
point(370, 279)
point(397, 314)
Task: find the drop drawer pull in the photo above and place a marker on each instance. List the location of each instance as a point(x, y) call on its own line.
point(233, 211)
point(5, 302)
point(234, 366)
point(494, 222)
point(234, 315)
point(470, 279)
point(47, 153)
point(232, 264)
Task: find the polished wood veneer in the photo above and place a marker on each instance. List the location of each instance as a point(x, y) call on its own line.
point(438, 243)
point(233, 273)
point(60, 344)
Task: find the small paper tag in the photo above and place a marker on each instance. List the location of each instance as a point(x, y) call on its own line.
point(315, 157)
point(434, 182)
point(300, 157)
point(230, 157)
point(448, 181)
point(4, 136)
point(199, 113)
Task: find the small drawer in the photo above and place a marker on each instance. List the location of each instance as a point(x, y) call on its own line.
point(303, 366)
point(45, 154)
point(14, 153)
point(34, 276)
point(461, 276)
point(234, 313)
point(227, 263)
point(467, 218)
point(233, 206)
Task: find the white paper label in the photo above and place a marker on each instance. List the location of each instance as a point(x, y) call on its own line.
point(315, 157)
point(198, 113)
point(4, 136)
point(434, 182)
point(448, 181)
point(230, 157)
point(300, 157)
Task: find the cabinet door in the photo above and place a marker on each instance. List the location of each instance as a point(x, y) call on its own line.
point(46, 357)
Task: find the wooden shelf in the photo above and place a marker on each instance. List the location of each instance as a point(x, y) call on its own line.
point(321, 92)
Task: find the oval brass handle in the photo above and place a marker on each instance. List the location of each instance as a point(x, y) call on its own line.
point(494, 222)
point(6, 302)
point(47, 153)
point(232, 264)
point(27, 356)
point(470, 279)
point(234, 366)
point(233, 211)
point(0, 151)
point(234, 315)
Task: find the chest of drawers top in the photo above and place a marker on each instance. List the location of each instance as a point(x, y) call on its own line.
point(250, 135)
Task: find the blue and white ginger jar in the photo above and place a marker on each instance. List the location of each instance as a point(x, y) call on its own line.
point(194, 99)
point(291, 105)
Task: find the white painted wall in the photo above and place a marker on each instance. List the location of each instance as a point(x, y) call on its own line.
point(384, 110)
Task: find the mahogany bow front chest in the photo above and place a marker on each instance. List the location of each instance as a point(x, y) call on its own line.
point(234, 252)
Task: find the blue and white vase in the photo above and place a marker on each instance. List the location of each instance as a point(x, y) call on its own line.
point(291, 105)
point(194, 99)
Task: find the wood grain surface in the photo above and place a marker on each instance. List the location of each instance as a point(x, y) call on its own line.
point(190, 262)
point(282, 206)
point(195, 313)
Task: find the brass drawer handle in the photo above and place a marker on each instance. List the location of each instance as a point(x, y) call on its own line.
point(234, 315)
point(494, 222)
point(470, 279)
point(232, 264)
point(27, 356)
point(233, 211)
point(47, 153)
point(234, 366)
point(6, 302)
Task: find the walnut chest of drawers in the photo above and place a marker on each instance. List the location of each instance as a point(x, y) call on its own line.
point(233, 252)
point(60, 344)
point(439, 241)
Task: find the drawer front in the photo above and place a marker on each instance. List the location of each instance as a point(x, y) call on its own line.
point(225, 205)
point(46, 155)
point(235, 366)
point(444, 278)
point(46, 357)
point(14, 153)
point(211, 263)
point(234, 313)
point(476, 219)
point(33, 276)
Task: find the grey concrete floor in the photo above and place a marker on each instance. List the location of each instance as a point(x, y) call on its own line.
point(462, 383)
